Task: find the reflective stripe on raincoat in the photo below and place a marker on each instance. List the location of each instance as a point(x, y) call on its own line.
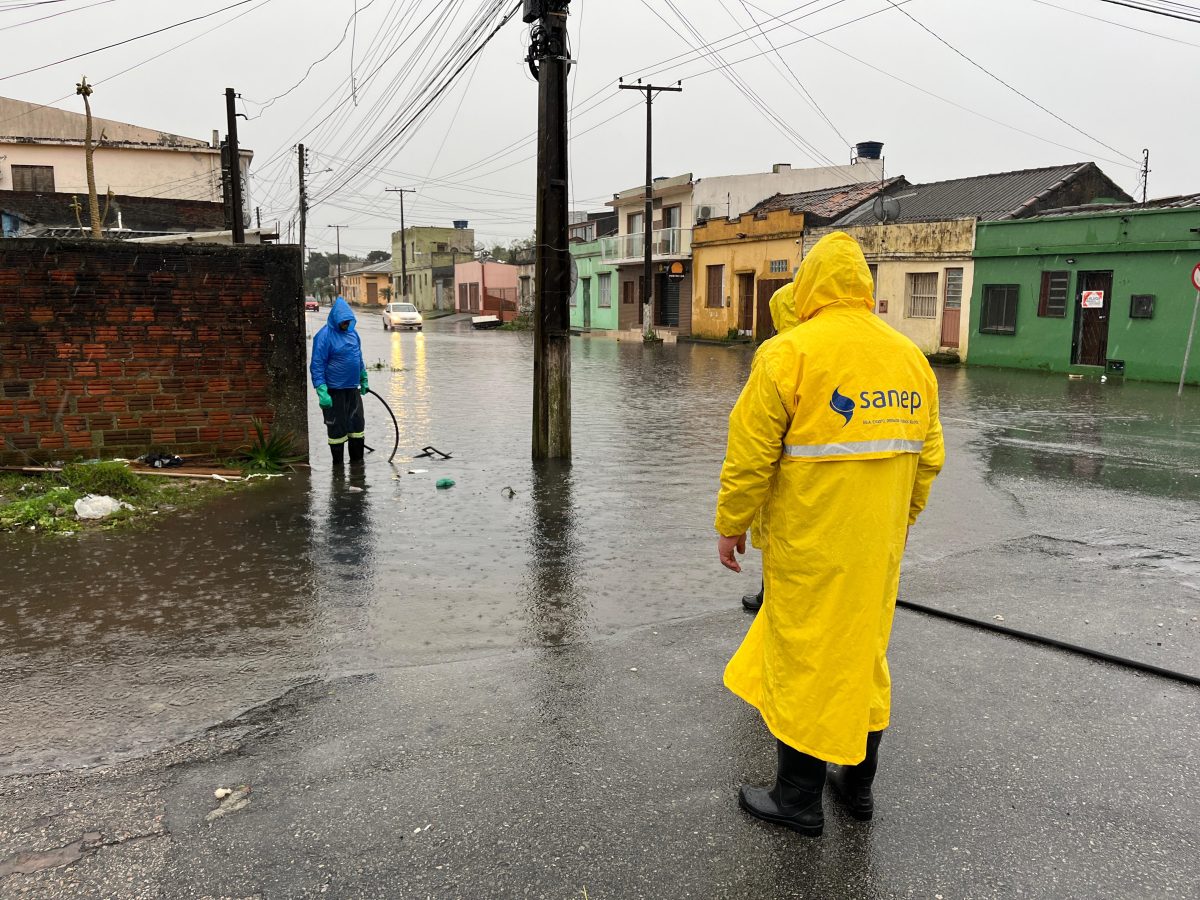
point(837, 431)
point(337, 355)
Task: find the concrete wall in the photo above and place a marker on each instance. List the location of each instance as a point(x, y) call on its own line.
point(900, 249)
point(1148, 252)
point(184, 173)
point(110, 349)
point(489, 276)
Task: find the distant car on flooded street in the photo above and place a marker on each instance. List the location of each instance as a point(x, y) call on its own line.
point(311, 304)
point(402, 315)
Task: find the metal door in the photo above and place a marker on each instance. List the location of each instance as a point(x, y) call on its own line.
point(764, 327)
point(668, 290)
point(1090, 344)
point(587, 302)
point(745, 301)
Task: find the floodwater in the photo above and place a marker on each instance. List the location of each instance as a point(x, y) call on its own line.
point(1070, 506)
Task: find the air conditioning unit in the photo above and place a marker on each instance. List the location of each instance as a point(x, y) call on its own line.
point(703, 213)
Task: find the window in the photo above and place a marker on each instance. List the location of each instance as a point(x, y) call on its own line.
point(716, 287)
point(999, 312)
point(1055, 288)
point(604, 289)
point(778, 266)
point(627, 292)
point(672, 216)
point(954, 283)
point(634, 222)
point(440, 248)
point(1141, 306)
point(874, 270)
point(33, 178)
point(922, 295)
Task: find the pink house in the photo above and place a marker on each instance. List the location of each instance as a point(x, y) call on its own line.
point(486, 289)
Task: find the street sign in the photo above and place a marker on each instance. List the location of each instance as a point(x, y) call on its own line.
point(1196, 276)
point(1093, 299)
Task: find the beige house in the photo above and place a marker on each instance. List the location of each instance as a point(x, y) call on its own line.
point(41, 150)
point(920, 239)
point(433, 252)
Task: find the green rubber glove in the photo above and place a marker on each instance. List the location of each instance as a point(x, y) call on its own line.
point(363, 387)
point(323, 398)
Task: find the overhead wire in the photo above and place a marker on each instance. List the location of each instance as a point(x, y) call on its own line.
point(63, 12)
point(1179, 13)
point(1127, 27)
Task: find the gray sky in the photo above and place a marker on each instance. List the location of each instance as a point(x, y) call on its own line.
point(1124, 89)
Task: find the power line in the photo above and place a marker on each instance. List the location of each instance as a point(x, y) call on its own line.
point(126, 41)
point(997, 78)
point(1076, 12)
point(63, 12)
point(1159, 11)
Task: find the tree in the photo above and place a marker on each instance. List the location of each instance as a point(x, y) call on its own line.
point(378, 256)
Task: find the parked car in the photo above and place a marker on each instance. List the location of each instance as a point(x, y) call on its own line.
point(401, 315)
point(311, 304)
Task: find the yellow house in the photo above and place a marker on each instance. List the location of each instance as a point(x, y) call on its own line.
point(368, 285)
point(737, 264)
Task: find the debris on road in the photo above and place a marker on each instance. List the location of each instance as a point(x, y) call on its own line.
point(231, 803)
point(99, 506)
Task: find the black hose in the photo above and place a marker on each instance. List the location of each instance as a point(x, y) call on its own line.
point(395, 424)
point(1051, 642)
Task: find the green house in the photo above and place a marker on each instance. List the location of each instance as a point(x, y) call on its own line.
point(1105, 288)
point(594, 303)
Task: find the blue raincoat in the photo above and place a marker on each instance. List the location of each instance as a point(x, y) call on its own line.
point(337, 355)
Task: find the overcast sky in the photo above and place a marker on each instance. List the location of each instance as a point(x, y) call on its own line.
point(1118, 90)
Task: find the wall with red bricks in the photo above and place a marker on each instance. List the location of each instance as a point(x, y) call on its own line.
point(110, 349)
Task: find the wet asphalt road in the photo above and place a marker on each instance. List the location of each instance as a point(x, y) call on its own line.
point(537, 677)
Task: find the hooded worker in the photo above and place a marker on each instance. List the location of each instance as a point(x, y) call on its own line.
point(837, 432)
point(783, 316)
point(340, 378)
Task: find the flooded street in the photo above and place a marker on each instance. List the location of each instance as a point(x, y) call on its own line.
point(1067, 507)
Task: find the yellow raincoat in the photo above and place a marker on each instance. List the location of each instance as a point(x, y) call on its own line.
point(837, 431)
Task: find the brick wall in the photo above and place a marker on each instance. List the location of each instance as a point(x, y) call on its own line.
point(110, 349)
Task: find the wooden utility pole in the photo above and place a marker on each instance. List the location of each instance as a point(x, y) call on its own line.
point(650, 91)
point(339, 256)
point(403, 242)
point(84, 90)
point(303, 215)
point(235, 169)
point(548, 61)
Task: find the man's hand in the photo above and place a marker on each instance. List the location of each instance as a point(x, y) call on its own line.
point(725, 548)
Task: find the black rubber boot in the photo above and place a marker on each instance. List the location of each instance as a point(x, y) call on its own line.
point(853, 783)
point(753, 602)
point(795, 800)
point(339, 453)
point(356, 449)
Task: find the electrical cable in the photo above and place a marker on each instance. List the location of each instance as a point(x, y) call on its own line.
point(1000, 80)
point(57, 14)
point(1156, 11)
point(126, 41)
point(1117, 24)
point(1045, 641)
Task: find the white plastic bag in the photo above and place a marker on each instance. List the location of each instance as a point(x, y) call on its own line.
point(97, 506)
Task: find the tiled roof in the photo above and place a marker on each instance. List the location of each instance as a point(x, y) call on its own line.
point(141, 215)
point(996, 196)
point(827, 203)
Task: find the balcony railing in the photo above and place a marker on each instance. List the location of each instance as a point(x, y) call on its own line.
point(667, 243)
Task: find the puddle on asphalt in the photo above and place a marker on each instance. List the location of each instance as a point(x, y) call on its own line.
point(116, 644)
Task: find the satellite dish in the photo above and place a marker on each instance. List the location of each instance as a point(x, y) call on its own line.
point(574, 277)
point(886, 209)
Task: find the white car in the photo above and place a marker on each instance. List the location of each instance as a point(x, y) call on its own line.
point(401, 315)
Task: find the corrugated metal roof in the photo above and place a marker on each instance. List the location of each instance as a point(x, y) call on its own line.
point(1182, 201)
point(379, 268)
point(827, 203)
point(994, 196)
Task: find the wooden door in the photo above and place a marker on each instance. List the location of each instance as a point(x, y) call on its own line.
point(745, 293)
point(1090, 346)
point(587, 302)
point(952, 307)
point(372, 293)
point(763, 326)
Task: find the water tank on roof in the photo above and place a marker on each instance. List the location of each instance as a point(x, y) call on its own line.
point(868, 149)
point(460, 223)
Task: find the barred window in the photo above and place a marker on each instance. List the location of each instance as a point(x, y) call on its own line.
point(954, 286)
point(922, 295)
point(1053, 301)
point(999, 312)
point(779, 265)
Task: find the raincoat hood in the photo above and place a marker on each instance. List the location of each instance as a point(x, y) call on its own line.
point(783, 310)
point(340, 313)
point(833, 274)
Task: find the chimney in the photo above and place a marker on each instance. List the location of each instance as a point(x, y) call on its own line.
point(216, 141)
point(780, 168)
